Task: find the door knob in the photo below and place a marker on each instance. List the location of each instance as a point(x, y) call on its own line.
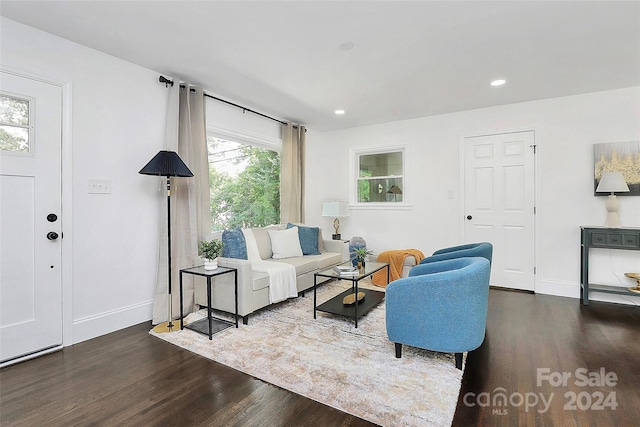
point(52, 235)
point(469, 217)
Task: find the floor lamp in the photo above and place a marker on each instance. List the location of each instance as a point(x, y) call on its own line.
point(167, 163)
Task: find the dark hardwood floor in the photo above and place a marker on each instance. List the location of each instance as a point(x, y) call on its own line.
point(527, 333)
point(131, 378)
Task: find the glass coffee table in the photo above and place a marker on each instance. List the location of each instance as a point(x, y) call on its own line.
point(368, 298)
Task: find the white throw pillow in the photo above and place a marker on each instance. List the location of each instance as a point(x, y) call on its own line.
point(285, 243)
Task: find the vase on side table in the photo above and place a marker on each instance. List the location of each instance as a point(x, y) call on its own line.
point(211, 264)
point(355, 243)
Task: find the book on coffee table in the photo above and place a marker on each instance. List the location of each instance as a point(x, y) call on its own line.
point(345, 270)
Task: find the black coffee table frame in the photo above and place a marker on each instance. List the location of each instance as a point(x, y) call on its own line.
point(358, 309)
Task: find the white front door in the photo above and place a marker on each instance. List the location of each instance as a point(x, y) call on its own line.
point(499, 201)
point(30, 216)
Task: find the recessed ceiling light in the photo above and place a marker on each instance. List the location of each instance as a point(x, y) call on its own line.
point(339, 112)
point(345, 46)
point(498, 82)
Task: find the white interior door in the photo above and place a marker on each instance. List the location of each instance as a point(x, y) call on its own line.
point(30, 210)
point(499, 204)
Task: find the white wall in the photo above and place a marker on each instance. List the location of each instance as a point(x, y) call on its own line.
point(116, 124)
point(565, 128)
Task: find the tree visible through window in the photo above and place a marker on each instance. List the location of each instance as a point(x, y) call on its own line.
point(244, 181)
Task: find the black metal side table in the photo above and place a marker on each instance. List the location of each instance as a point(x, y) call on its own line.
point(210, 321)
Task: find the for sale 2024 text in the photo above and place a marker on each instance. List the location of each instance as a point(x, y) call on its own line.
point(582, 377)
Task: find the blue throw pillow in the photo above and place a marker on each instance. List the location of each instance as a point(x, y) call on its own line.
point(308, 239)
point(234, 244)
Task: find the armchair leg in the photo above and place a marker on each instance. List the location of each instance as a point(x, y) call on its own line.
point(245, 320)
point(459, 360)
point(398, 350)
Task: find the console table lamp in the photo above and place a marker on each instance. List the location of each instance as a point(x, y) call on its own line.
point(336, 210)
point(167, 163)
point(612, 182)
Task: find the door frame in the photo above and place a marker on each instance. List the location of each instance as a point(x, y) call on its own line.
point(66, 173)
point(536, 187)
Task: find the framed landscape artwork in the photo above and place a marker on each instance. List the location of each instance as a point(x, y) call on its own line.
point(618, 157)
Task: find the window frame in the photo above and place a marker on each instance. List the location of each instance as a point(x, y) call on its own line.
point(354, 177)
point(31, 101)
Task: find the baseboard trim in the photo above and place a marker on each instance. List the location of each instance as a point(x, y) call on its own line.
point(94, 326)
point(572, 290)
point(558, 288)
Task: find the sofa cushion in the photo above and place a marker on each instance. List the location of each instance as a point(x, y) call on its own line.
point(320, 238)
point(234, 244)
point(285, 243)
point(326, 259)
point(302, 264)
point(263, 241)
point(308, 239)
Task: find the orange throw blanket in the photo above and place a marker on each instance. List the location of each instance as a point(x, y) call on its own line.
point(395, 259)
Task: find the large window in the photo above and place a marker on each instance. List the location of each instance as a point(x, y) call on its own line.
point(379, 176)
point(245, 184)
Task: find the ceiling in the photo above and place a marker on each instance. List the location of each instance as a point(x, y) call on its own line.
point(409, 59)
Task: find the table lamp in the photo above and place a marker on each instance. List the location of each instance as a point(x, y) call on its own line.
point(612, 182)
point(336, 210)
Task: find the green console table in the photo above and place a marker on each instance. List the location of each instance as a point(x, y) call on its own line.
point(604, 238)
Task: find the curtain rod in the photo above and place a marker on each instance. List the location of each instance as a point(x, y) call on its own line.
point(168, 83)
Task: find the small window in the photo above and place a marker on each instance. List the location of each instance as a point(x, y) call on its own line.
point(380, 176)
point(15, 124)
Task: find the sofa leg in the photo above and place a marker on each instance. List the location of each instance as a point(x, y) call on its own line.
point(459, 360)
point(245, 320)
point(398, 350)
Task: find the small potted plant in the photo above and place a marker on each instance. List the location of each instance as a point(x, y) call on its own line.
point(360, 255)
point(210, 251)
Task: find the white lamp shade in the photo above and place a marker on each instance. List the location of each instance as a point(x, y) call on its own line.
point(612, 182)
point(335, 209)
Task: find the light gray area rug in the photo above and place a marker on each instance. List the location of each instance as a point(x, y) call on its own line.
point(332, 362)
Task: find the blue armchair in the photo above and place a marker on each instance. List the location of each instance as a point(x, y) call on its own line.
point(441, 306)
point(482, 249)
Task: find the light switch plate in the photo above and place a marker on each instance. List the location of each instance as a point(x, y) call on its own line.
point(99, 186)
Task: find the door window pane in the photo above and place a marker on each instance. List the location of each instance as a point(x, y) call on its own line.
point(14, 124)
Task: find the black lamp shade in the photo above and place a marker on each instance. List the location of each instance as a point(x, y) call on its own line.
point(166, 163)
point(394, 190)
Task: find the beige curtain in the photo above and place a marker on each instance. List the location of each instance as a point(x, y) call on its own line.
point(292, 161)
point(190, 212)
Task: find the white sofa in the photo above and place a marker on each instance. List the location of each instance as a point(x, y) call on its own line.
point(253, 286)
